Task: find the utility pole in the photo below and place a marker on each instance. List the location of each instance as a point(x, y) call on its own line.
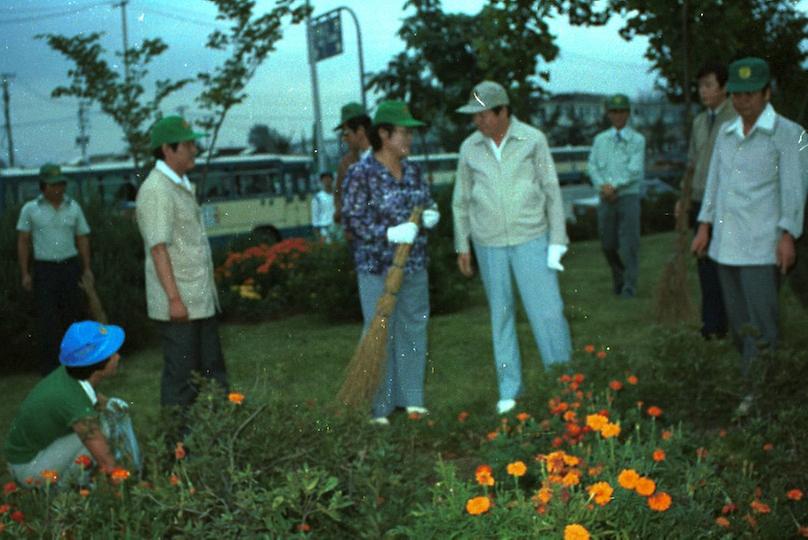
point(6, 77)
point(122, 5)
point(315, 91)
point(83, 140)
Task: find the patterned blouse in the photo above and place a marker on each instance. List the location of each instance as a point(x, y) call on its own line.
point(372, 201)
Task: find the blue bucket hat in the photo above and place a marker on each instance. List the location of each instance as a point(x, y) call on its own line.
point(89, 342)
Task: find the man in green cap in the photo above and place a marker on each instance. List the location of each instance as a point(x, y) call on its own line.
point(180, 291)
point(354, 128)
point(507, 204)
point(616, 168)
point(55, 224)
point(752, 211)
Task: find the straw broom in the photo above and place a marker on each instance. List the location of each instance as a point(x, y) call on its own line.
point(673, 303)
point(369, 361)
point(93, 301)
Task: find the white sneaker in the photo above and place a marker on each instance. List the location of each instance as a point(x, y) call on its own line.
point(417, 410)
point(380, 421)
point(505, 405)
point(745, 406)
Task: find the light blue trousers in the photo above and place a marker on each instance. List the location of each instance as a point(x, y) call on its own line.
point(403, 382)
point(541, 298)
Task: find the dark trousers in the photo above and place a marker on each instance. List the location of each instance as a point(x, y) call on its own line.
point(189, 347)
point(751, 297)
point(713, 314)
point(58, 305)
point(619, 231)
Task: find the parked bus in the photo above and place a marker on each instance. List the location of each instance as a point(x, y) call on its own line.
point(570, 162)
point(261, 193)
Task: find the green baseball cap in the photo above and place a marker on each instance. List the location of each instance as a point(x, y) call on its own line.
point(748, 75)
point(172, 129)
point(50, 173)
point(396, 113)
point(349, 111)
point(618, 102)
point(484, 96)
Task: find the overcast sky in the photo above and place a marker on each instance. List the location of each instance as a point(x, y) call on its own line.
point(44, 129)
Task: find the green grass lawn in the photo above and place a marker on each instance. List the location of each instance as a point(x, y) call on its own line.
point(292, 361)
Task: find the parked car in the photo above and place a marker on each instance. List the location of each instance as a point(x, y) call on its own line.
point(650, 189)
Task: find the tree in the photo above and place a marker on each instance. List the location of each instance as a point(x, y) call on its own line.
point(122, 97)
point(446, 54)
point(268, 140)
point(249, 41)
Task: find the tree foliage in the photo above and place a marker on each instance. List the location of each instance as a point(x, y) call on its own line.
point(268, 140)
point(121, 96)
point(249, 41)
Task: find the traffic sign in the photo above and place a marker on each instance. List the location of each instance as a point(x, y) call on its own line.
point(327, 35)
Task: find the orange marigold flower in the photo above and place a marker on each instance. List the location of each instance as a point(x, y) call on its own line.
point(632, 379)
point(802, 531)
point(303, 527)
point(462, 417)
point(659, 455)
point(794, 494)
point(84, 461)
point(601, 355)
point(628, 478)
point(174, 480)
point(179, 451)
point(645, 486)
point(654, 411)
point(610, 430)
point(523, 417)
point(119, 474)
point(492, 435)
point(666, 435)
point(601, 492)
point(236, 397)
point(701, 453)
point(4, 508)
point(728, 508)
point(84, 492)
point(544, 495)
point(415, 416)
point(596, 421)
point(517, 468)
point(578, 378)
point(570, 416)
point(572, 478)
point(589, 348)
point(616, 385)
point(721, 521)
point(484, 475)
point(595, 471)
point(760, 507)
point(659, 501)
point(575, 532)
point(478, 505)
point(768, 447)
point(50, 476)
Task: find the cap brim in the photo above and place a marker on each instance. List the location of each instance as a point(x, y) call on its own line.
point(745, 87)
point(410, 123)
point(472, 108)
point(62, 179)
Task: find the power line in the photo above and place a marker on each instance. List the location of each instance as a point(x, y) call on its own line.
point(44, 10)
point(179, 18)
point(37, 18)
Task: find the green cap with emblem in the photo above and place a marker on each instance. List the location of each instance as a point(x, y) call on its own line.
point(172, 129)
point(349, 111)
point(396, 113)
point(748, 75)
point(618, 102)
point(50, 173)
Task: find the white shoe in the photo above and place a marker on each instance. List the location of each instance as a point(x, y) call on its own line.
point(380, 421)
point(417, 410)
point(745, 406)
point(505, 405)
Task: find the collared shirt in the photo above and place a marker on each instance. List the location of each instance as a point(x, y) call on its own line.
point(755, 189)
point(618, 158)
point(498, 149)
point(90, 391)
point(322, 209)
point(508, 202)
point(183, 181)
point(167, 213)
point(53, 230)
point(372, 201)
point(702, 141)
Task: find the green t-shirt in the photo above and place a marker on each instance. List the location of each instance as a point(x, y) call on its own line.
point(56, 403)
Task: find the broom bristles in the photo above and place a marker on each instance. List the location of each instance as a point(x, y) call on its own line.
point(364, 372)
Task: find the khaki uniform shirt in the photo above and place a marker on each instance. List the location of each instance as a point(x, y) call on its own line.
point(618, 159)
point(53, 230)
point(702, 140)
point(755, 189)
point(509, 201)
point(167, 213)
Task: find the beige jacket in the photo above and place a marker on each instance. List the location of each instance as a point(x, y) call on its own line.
point(168, 213)
point(702, 140)
point(509, 202)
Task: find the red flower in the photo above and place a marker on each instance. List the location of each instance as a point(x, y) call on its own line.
point(654, 411)
point(9, 488)
point(84, 461)
point(4, 508)
point(794, 494)
point(18, 516)
point(462, 417)
point(179, 451)
point(616, 385)
point(601, 355)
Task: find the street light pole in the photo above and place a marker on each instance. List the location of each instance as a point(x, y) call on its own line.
point(361, 55)
point(315, 92)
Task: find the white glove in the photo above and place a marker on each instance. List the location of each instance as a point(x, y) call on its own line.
point(554, 254)
point(430, 218)
point(404, 233)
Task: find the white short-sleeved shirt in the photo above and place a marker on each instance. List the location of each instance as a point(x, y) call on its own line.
point(53, 230)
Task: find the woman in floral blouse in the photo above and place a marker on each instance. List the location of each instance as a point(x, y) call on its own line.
point(379, 194)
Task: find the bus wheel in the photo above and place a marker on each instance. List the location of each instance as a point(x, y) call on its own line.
point(267, 234)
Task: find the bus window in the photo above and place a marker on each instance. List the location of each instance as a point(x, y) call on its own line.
point(277, 184)
point(254, 184)
point(218, 187)
point(288, 186)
